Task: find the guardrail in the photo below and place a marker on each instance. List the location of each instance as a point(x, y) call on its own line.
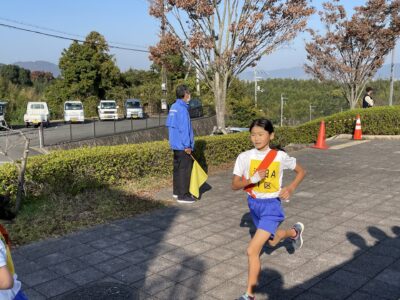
point(94, 128)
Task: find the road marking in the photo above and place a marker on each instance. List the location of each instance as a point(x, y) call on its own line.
point(349, 144)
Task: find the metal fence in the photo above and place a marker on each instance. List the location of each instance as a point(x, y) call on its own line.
point(59, 133)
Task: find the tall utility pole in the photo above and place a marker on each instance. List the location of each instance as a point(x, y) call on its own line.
point(391, 78)
point(255, 87)
point(311, 108)
point(197, 81)
point(283, 99)
point(163, 69)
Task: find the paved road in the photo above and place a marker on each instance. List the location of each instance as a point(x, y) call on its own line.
point(61, 133)
point(66, 133)
point(349, 203)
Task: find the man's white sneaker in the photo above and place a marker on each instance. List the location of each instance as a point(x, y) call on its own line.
point(186, 199)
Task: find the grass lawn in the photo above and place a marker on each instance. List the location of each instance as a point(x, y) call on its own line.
point(54, 215)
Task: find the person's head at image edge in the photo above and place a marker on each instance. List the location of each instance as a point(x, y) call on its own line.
point(183, 92)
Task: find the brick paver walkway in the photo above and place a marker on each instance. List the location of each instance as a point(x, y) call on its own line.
point(349, 203)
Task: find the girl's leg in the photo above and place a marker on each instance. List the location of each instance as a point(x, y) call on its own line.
point(253, 253)
point(281, 235)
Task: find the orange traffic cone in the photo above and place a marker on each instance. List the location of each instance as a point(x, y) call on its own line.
point(320, 144)
point(357, 131)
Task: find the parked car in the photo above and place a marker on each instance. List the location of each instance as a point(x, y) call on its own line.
point(73, 112)
point(133, 109)
point(108, 110)
point(236, 129)
point(37, 113)
point(195, 108)
point(3, 113)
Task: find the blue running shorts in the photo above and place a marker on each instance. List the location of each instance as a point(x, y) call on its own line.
point(267, 214)
point(20, 296)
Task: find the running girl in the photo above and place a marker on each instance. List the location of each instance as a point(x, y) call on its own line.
point(259, 171)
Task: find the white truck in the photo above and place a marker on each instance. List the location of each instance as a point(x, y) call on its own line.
point(37, 113)
point(3, 113)
point(133, 109)
point(107, 110)
point(73, 112)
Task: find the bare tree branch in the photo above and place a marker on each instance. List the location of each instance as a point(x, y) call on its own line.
point(229, 35)
point(353, 49)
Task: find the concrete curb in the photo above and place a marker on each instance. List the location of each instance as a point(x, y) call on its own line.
point(366, 137)
point(297, 147)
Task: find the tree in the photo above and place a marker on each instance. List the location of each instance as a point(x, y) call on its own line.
point(42, 77)
point(16, 74)
point(87, 69)
point(41, 80)
point(353, 48)
point(240, 105)
point(223, 38)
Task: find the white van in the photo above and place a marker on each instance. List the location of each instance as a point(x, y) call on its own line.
point(73, 112)
point(37, 113)
point(108, 110)
point(133, 109)
point(3, 113)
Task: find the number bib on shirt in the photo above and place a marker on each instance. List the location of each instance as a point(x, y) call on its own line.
point(270, 184)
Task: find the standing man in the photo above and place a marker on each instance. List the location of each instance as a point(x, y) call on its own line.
point(367, 100)
point(181, 140)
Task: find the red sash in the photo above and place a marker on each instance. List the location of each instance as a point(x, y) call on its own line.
point(268, 159)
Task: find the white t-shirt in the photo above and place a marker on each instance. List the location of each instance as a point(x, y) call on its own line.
point(369, 100)
point(11, 293)
point(248, 161)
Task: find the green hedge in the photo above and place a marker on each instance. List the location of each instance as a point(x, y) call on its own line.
point(374, 121)
point(73, 170)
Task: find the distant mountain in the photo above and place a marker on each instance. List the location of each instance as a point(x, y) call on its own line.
point(299, 73)
point(293, 73)
point(39, 65)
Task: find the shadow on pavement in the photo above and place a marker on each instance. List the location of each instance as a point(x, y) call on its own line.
point(373, 269)
point(134, 258)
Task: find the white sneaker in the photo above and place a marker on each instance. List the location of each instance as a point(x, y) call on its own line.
point(297, 242)
point(186, 199)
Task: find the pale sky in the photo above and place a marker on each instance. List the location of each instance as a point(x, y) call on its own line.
point(126, 22)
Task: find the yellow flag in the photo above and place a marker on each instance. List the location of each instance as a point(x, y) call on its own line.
point(197, 179)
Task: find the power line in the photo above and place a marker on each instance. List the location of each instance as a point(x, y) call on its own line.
point(40, 27)
point(67, 38)
point(62, 32)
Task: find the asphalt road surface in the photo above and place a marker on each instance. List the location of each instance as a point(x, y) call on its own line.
point(12, 143)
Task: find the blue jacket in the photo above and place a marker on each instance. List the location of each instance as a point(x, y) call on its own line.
point(179, 126)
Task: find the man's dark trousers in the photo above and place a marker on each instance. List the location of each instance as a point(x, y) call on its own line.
point(182, 170)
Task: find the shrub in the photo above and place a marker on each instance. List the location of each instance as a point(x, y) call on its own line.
point(374, 121)
point(74, 170)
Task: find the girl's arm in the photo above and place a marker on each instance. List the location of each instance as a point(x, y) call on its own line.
point(238, 183)
point(287, 191)
point(6, 279)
